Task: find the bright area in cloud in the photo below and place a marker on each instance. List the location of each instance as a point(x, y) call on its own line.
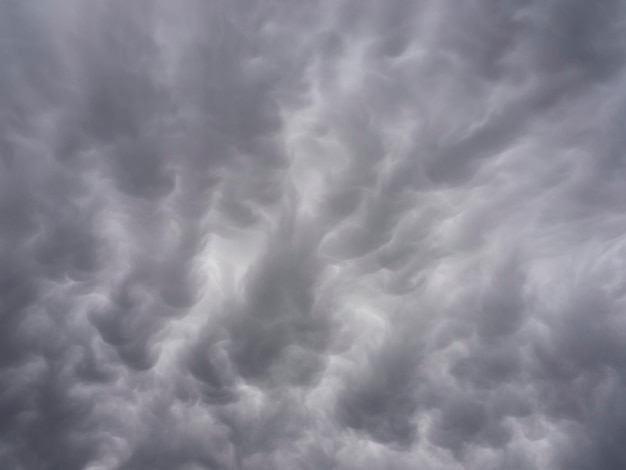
point(312, 235)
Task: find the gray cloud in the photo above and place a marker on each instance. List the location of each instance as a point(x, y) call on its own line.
point(317, 235)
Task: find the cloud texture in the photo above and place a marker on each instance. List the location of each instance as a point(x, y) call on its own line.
point(313, 234)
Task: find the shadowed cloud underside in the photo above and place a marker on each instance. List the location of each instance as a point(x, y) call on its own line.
point(314, 234)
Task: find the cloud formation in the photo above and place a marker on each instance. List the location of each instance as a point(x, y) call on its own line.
point(312, 235)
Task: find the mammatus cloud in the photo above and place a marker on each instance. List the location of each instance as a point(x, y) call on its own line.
point(312, 235)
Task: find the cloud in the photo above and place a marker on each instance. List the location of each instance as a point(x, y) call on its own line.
point(317, 235)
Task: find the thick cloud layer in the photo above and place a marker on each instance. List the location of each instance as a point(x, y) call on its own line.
point(316, 234)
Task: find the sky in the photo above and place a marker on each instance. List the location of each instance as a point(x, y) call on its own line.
point(312, 235)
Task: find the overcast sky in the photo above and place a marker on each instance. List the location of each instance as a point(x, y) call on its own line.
point(312, 235)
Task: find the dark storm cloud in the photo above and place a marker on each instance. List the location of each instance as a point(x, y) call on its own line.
point(312, 235)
